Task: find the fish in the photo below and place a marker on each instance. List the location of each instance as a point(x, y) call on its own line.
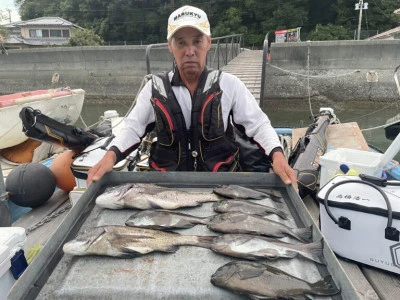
point(164, 220)
point(236, 191)
point(149, 196)
point(257, 247)
point(247, 207)
point(261, 281)
point(127, 242)
point(238, 222)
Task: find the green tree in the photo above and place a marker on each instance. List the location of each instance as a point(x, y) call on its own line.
point(85, 37)
point(330, 32)
point(4, 32)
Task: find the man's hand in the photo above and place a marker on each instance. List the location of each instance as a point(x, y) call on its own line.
point(283, 170)
point(105, 165)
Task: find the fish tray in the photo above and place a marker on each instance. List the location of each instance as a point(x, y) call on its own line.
point(184, 274)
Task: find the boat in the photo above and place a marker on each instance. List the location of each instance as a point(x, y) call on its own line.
point(63, 105)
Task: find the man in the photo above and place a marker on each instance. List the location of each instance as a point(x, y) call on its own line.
point(191, 109)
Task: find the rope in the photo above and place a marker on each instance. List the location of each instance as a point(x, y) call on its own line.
point(308, 81)
point(314, 76)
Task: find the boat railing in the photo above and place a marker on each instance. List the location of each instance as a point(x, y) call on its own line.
point(264, 62)
point(223, 50)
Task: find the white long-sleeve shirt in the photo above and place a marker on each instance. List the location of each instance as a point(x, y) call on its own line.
point(235, 97)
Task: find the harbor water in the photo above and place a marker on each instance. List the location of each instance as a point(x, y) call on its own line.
point(370, 116)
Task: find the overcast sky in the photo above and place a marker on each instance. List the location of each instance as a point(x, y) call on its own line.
point(9, 4)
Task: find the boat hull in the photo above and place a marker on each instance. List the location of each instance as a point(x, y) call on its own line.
point(64, 106)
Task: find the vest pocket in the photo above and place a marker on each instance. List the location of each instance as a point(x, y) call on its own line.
point(220, 157)
point(164, 158)
point(211, 122)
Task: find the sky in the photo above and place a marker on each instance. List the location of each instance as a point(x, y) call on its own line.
point(9, 4)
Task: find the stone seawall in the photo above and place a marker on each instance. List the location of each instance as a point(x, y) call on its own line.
point(333, 71)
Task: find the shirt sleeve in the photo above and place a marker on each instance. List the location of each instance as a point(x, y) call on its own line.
point(134, 126)
point(247, 113)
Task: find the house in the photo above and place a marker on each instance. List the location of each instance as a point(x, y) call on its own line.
point(40, 32)
point(392, 34)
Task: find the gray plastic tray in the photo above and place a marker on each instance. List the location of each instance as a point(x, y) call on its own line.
point(181, 275)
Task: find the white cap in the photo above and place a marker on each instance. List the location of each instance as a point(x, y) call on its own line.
point(188, 16)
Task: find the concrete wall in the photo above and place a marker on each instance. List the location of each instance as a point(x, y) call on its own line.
point(106, 72)
point(339, 70)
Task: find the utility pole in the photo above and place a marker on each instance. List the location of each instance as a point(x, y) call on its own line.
point(361, 3)
point(9, 14)
point(360, 6)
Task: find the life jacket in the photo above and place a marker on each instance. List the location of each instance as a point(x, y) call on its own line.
point(206, 146)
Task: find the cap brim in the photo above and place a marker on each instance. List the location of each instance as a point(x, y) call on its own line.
point(171, 33)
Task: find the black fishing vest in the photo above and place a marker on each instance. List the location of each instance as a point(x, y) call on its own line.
point(206, 146)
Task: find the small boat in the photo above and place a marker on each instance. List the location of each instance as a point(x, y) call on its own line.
point(63, 105)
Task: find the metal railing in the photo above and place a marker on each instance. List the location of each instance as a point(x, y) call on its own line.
point(264, 63)
point(223, 50)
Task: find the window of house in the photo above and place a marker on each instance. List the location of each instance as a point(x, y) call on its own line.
point(65, 33)
point(35, 33)
point(45, 33)
point(55, 32)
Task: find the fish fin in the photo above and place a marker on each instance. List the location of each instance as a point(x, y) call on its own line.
point(314, 251)
point(130, 252)
point(325, 286)
point(303, 234)
point(205, 241)
point(273, 254)
point(250, 273)
point(171, 249)
point(275, 198)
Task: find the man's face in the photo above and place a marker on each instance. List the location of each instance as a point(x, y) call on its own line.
point(189, 47)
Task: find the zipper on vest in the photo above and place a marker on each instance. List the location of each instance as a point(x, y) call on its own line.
point(193, 154)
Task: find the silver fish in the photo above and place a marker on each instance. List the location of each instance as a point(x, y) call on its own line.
point(164, 220)
point(236, 191)
point(237, 222)
point(247, 207)
point(150, 196)
point(256, 247)
point(122, 241)
point(260, 281)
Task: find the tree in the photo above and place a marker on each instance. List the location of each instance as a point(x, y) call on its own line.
point(330, 32)
point(85, 37)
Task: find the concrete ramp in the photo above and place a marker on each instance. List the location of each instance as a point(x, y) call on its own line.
point(248, 67)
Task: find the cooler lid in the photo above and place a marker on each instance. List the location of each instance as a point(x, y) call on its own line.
point(12, 236)
point(87, 160)
point(5, 262)
point(360, 197)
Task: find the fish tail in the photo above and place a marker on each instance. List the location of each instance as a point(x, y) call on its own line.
point(204, 241)
point(314, 251)
point(281, 214)
point(303, 234)
point(206, 220)
point(325, 286)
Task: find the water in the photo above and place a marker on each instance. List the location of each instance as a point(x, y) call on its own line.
point(296, 114)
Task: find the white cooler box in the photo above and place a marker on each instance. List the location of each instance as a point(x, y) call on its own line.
point(363, 162)
point(358, 226)
point(12, 257)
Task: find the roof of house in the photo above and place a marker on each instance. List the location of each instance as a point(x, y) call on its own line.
point(385, 34)
point(43, 21)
